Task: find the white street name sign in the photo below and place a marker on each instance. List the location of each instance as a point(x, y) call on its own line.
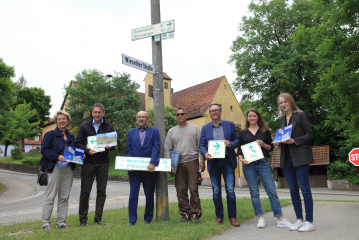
point(153, 30)
point(136, 63)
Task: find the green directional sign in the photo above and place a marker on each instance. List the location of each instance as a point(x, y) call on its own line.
point(252, 151)
point(217, 148)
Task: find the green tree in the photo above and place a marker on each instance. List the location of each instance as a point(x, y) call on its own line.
point(19, 124)
point(39, 101)
point(170, 119)
point(118, 95)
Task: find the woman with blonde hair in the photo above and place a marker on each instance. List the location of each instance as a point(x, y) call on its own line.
point(59, 177)
point(256, 130)
point(295, 156)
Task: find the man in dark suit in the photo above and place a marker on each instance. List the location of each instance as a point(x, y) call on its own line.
point(143, 141)
point(221, 130)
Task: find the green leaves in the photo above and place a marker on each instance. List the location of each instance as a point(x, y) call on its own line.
point(170, 119)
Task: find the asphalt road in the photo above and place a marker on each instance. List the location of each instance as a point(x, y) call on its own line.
point(22, 201)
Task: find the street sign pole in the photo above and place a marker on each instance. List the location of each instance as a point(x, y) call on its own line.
point(162, 211)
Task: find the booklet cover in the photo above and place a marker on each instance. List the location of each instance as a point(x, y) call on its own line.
point(217, 148)
point(283, 134)
point(92, 144)
point(62, 164)
point(252, 151)
point(106, 138)
point(141, 164)
point(75, 155)
point(174, 160)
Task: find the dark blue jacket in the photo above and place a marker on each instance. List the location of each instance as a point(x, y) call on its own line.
point(151, 146)
point(230, 134)
point(51, 156)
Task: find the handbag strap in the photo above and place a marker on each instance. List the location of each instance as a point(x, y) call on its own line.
point(52, 146)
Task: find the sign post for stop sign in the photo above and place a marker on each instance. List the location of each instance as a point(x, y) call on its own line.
point(354, 156)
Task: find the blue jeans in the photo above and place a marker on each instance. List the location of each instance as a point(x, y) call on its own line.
point(219, 167)
point(251, 172)
point(300, 174)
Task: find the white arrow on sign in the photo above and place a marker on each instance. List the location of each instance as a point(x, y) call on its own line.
point(152, 30)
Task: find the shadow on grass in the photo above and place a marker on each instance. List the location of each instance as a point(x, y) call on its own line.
point(116, 224)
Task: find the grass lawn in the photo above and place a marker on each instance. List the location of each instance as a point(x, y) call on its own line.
point(116, 224)
point(2, 188)
point(8, 159)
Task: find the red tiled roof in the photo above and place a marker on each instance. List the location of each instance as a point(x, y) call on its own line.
point(165, 76)
point(196, 99)
point(321, 156)
point(142, 98)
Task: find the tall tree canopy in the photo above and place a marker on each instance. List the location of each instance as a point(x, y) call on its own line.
point(170, 119)
point(117, 94)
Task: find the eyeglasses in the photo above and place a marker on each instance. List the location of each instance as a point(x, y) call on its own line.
point(215, 110)
point(180, 114)
point(142, 117)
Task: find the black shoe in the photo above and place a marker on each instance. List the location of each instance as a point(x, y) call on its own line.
point(83, 224)
point(130, 224)
point(147, 222)
point(98, 221)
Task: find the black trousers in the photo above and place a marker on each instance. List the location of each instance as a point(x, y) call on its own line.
point(89, 171)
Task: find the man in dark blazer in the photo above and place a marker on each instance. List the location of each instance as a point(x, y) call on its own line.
point(221, 130)
point(143, 141)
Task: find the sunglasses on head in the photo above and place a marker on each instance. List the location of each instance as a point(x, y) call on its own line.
point(179, 114)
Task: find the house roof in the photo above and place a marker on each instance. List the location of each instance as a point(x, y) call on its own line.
point(142, 98)
point(196, 99)
point(51, 121)
point(321, 156)
point(165, 76)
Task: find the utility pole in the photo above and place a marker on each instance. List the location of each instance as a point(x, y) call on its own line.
point(162, 212)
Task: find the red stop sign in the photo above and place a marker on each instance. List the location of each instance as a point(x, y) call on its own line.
point(354, 156)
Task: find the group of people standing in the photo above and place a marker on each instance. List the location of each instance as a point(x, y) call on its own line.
point(186, 138)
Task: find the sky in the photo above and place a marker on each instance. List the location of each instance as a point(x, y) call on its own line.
point(50, 41)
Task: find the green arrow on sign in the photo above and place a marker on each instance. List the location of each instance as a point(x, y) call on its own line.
point(93, 141)
point(217, 146)
point(169, 24)
point(251, 148)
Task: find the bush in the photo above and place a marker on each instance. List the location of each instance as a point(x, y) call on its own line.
point(339, 170)
point(31, 161)
point(16, 153)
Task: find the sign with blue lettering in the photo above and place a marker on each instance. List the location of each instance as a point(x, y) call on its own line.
point(141, 164)
point(252, 151)
point(217, 148)
point(141, 65)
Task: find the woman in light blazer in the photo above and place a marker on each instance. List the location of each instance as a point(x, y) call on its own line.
point(295, 156)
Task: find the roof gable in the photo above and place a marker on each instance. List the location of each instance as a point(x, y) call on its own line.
point(196, 99)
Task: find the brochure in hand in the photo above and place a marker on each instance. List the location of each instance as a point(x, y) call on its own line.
point(283, 134)
point(174, 160)
point(74, 155)
point(252, 151)
point(104, 139)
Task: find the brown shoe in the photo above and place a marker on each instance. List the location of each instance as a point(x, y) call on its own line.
point(235, 223)
point(195, 219)
point(183, 219)
point(83, 224)
point(219, 221)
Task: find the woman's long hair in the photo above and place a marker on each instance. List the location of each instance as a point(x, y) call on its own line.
point(289, 99)
point(261, 123)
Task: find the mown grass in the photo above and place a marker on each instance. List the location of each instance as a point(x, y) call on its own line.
point(116, 224)
point(2, 188)
point(8, 159)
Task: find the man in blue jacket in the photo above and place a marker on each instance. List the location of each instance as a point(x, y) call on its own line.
point(143, 141)
point(221, 130)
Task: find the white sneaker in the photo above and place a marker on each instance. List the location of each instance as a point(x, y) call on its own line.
point(284, 223)
point(261, 223)
point(296, 226)
point(307, 227)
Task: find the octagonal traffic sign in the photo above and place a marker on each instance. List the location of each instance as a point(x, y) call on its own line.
point(354, 156)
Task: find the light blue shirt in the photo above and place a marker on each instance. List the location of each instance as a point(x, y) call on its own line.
point(95, 125)
point(218, 133)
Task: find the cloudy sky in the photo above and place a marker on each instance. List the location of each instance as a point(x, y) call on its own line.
point(50, 41)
